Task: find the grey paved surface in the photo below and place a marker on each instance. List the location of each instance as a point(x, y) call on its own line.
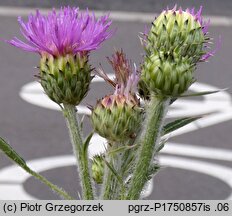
point(216, 7)
point(37, 132)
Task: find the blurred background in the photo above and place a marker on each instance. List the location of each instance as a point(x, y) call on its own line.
point(197, 158)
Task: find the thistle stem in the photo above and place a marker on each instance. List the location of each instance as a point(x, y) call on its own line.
point(111, 185)
point(108, 183)
point(81, 157)
point(147, 141)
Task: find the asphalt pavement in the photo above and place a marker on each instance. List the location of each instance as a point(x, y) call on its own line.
point(215, 7)
point(197, 160)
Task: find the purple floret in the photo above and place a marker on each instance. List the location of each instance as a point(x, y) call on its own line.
point(198, 17)
point(68, 31)
point(204, 26)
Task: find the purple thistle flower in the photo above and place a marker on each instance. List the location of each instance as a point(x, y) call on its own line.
point(68, 31)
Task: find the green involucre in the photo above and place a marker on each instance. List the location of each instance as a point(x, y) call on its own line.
point(178, 34)
point(98, 165)
point(166, 76)
point(65, 79)
point(117, 123)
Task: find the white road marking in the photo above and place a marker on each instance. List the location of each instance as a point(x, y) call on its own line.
point(98, 146)
point(197, 151)
point(9, 191)
point(219, 105)
point(124, 16)
point(33, 93)
point(8, 174)
point(223, 173)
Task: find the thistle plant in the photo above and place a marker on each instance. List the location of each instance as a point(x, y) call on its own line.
point(174, 45)
point(64, 40)
point(131, 117)
point(118, 117)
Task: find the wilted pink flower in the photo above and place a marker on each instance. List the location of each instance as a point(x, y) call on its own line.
point(126, 75)
point(67, 31)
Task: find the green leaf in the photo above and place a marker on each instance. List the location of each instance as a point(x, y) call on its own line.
point(179, 123)
point(86, 143)
point(121, 149)
point(82, 121)
point(153, 169)
point(118, 177)
point(114, 172)
point(13, 155)
point(161, 145)
point(202, 93)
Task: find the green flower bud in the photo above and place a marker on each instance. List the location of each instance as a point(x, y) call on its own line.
point(166, 76)
point(174, 45)
point(117, 117)
point(179, 33)
point(65, 79)
point(98, 168)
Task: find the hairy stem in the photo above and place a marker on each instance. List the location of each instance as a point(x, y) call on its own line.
point(108, 183)
point(112, 186)
point(147, 141)
point(81, 156)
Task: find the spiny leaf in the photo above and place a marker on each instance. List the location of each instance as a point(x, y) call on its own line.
point(202, 93)
point(179, 123)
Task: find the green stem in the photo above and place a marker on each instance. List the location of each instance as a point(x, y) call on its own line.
point(111, 185)
point(127, 160)
point(147, 141)
point(81, 156)
point(108, 184)
point(53, 187)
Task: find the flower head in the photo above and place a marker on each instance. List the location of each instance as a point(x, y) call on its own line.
point(196, 15)
point(67, 31)
point(180, 33)
point(98, 168)
point(204, 25)
point(118, 116)
point(176, 43)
